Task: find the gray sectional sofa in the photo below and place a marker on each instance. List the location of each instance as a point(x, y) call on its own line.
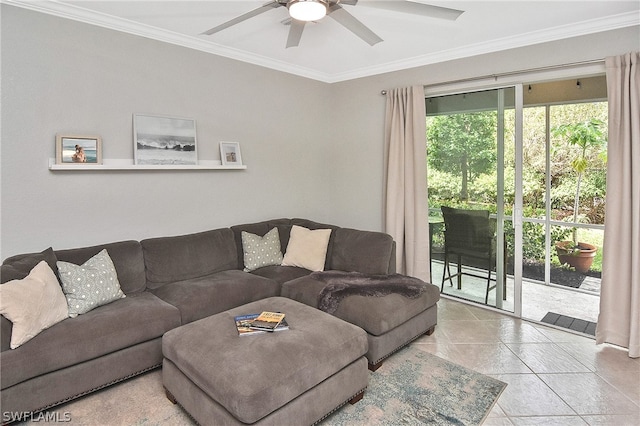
point(172, 281)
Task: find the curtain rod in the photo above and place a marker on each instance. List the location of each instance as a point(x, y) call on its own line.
point(511, 73)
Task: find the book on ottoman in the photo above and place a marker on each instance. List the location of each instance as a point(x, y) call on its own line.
point(267, 321)
point(243, 325)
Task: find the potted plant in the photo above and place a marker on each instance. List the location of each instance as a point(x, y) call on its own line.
point(585, 136)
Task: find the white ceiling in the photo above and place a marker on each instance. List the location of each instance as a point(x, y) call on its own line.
point(329, 52)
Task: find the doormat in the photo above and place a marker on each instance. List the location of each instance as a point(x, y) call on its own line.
point(414, 387)
point(571, 323)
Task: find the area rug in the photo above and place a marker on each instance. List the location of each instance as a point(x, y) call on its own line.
point(412, 387)
point(417, 388)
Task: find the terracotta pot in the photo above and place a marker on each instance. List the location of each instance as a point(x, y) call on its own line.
point(580, 259)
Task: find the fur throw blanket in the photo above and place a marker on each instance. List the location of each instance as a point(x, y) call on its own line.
point(342, 284)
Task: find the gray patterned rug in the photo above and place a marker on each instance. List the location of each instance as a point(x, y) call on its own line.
point(417, 388)
point(411, 388)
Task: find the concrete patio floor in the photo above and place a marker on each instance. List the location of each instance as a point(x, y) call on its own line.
point(538, 299)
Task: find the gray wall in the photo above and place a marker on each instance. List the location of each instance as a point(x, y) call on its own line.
point(312, 149)
point(64, 76)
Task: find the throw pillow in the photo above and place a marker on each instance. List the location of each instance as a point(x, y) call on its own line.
point(32, 304)
point(307, 249)
point(92, 284)
point(261, 251)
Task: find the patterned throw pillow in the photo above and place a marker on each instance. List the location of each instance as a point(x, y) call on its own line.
point(92, 284)
point(261, 251)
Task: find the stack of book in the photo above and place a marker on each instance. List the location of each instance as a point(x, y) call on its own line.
point(265, 322)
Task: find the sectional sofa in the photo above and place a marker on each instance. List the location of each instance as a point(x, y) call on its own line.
point(171, 281)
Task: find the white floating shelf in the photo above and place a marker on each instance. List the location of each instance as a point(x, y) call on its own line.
point(126, 164)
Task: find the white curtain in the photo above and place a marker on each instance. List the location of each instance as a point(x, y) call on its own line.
point(406, 205)
point(619, 319)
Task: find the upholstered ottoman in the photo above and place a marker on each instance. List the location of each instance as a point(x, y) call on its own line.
point(296, 376)
point(391, 318)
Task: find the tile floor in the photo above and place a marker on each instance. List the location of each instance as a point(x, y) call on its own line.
point(554, 377)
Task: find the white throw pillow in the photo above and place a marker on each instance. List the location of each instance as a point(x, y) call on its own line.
point(92, 284)
point(32, 304)
point(261, 251)
point(307, 249)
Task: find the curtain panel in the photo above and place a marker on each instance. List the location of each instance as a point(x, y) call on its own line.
point(619, 319)
point(406, 204)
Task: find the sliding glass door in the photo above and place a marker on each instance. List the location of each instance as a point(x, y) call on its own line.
point(474, 179)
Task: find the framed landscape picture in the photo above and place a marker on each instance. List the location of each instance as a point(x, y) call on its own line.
point(161, 140)
point(230, 154)
point(78, 149)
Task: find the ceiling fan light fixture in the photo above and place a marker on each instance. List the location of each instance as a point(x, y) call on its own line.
point(307, 10)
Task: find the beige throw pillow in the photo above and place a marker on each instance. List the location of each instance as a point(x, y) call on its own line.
point(32, 304)
point(307, 249)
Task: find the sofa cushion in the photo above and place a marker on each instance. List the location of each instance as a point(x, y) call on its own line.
point(138, 318)
point(17, 267)
point(201, 297)
point(375, 314)
point(281, 274)
point(307, 248)
point(170, 259)
point(361, 251)
point(125, 255)
point(32, 304)
point(92, 284)
point(261, 251)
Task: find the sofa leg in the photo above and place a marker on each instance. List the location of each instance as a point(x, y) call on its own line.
point(374, 367)
point(430, 331)
point(170, 396)
point(356, 398)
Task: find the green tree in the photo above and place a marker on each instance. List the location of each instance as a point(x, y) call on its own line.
point(463, 144)
point(585, 136)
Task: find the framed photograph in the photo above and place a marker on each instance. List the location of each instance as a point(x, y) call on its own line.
point(162, 140)
point(78, 149)
point(230, 154)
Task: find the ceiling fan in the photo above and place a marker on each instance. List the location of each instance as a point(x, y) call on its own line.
point(303, 11)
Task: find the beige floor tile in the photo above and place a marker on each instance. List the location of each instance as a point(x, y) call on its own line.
point(549, 421)
point(546, 358)
point(513, 330)
point(588, 394)
point(468, 331)
point(602, 358)
point(497, 421)
point(610, 420)
point(452, 310)
point(527, 395)
point(488, 359)
point(559, 335)
point(627, 382)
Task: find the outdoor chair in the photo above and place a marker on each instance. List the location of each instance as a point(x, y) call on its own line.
point(470, 238)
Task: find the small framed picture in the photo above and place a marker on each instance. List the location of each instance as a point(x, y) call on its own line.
point(230, 154)
point(78, 149)
point(163, 140)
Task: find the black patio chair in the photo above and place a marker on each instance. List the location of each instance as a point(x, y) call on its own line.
point(470, 237)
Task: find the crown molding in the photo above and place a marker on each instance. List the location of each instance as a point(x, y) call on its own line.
point(76, 13)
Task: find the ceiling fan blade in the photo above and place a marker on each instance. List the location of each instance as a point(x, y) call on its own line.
point(295, 33)
point(415, 8)
point(349, 2)
point(348, 21)
point(255, 12)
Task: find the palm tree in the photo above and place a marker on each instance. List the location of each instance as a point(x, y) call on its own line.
point(585, 135)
